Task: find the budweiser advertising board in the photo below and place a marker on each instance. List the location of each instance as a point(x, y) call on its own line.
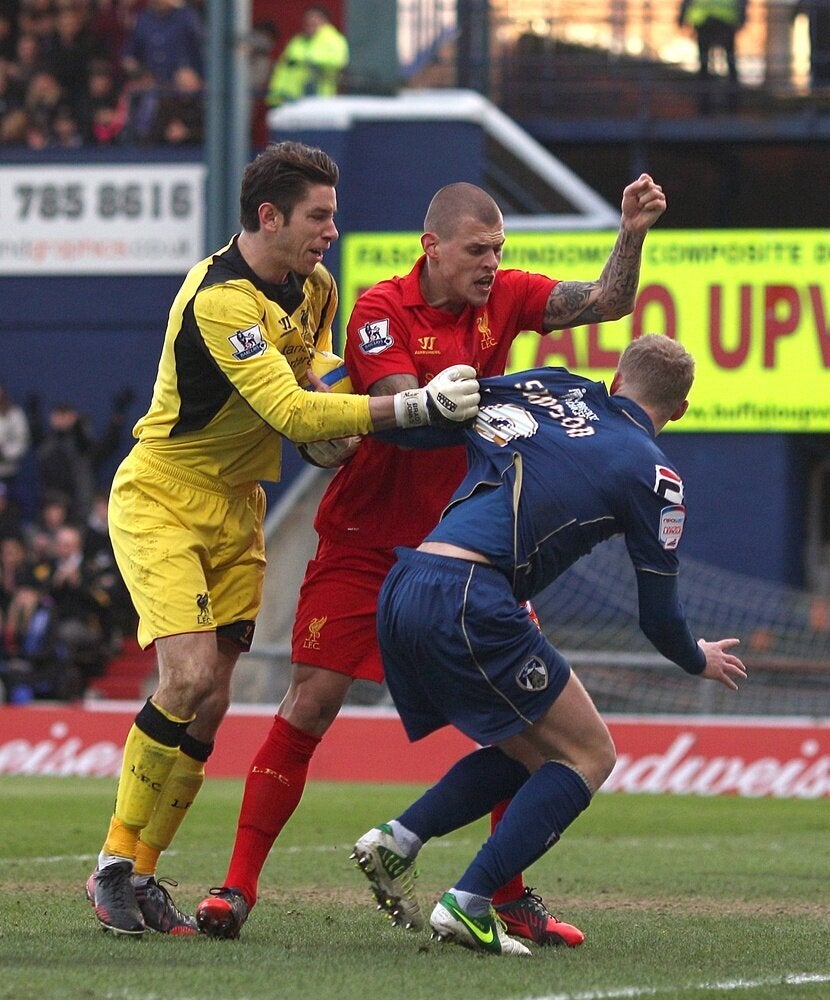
point(780, 757)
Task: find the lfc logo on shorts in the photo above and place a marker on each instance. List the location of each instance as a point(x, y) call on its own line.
point(204, 617)
point(315, 627)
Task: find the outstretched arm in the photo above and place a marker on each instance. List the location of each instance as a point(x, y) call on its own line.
point(612, 295)
point(664, 623)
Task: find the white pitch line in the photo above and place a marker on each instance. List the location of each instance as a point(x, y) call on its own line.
point(56, 859)
point(728, 986)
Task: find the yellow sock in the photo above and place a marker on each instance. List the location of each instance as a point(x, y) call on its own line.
point(121, 841)
point(145, 768)
point(181, 788)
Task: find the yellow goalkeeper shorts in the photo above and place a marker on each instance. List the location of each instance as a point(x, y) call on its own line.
point(190, 549)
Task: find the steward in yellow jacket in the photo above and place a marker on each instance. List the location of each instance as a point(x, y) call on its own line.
point(311, 63)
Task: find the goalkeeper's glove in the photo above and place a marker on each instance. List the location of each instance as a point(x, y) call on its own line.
point(329, 454)
point(452, 396)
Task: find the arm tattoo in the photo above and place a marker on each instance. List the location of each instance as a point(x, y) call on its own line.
point(573, 303)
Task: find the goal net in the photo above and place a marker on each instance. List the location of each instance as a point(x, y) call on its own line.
point(590, 614)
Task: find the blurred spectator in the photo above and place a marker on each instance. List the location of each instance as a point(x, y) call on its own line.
point(818, 23)
point(716, 23)
point(179, 115)
point(66, 131)
point(111, 23)
point(261, 57)
point(44, 95)
point(311, 63)
point(14, 440)
point(28, 59)
point(68, 454)
point(8, 30)
point(11, 525)
point(38, 18)
point(80, 642)
point(24, 616)
point(261, 43)
point(72, 48)
point(108, 123)
point(102, 94)
point(12, 94)
point(15, 570)
point(41, 533)
point(167, 35)
point(116, 608)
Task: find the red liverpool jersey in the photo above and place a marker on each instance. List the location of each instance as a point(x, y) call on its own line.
point(386, 496)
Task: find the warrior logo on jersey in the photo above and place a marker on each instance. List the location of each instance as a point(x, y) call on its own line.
point(248, 343)
point(374, 336)
point(668, 484)
point(671, 525)
point(533, 676)
point(504, 422)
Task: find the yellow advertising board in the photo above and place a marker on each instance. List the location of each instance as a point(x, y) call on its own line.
point(753, 307)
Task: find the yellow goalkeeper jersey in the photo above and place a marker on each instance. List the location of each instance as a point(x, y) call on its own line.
point(227, 390)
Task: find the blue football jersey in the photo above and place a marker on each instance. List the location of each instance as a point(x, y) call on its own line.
point(555, 466)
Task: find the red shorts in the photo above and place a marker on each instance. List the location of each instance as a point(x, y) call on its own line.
point(335, 625)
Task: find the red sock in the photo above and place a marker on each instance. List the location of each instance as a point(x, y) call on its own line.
point(516, 886)
point(273, 789)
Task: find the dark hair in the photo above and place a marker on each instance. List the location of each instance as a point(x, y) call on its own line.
point(282, 175)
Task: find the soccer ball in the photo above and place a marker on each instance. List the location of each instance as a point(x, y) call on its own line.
point(332, 370)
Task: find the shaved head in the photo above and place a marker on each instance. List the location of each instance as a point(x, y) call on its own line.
point(455, 203)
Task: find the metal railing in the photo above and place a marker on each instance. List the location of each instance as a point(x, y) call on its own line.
point(629, 59)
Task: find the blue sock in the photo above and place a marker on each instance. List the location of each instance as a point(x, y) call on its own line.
point(548, 802)
point(468, 791)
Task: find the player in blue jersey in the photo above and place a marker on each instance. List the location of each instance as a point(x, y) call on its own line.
point(556, 465)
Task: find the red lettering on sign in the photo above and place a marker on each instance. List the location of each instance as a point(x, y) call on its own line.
point(557, 342)
point(821, 323)
point(722, 355)
point(774, 328)
point(661, 299)
point(598, 357)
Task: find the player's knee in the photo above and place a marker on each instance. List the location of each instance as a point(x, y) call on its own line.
point(605, 757)
point(311, 708)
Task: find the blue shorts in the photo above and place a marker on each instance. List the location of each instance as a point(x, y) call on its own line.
point(459, 649)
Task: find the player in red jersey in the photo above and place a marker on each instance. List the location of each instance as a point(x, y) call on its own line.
point(454, 306)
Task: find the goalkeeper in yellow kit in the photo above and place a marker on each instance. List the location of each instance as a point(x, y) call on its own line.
point(186, 510)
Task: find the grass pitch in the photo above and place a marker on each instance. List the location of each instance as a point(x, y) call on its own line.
point(681, 898)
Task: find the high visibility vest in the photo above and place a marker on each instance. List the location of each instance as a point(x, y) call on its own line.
point(309, 66)
point(698, 11)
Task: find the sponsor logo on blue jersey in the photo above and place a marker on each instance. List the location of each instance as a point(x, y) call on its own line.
point(671, 525)
point(668, 484)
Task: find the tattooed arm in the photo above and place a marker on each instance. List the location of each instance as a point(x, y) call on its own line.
point(611, 296)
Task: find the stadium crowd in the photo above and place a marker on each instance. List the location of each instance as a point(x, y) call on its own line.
point(64, 609)
point(100, 72)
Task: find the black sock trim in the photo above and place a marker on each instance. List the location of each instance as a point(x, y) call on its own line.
point(158, 727)
point(197, 749)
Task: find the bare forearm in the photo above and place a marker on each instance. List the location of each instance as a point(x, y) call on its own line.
point(611, 296)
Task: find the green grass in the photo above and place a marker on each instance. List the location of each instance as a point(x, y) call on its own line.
point(680, 897)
